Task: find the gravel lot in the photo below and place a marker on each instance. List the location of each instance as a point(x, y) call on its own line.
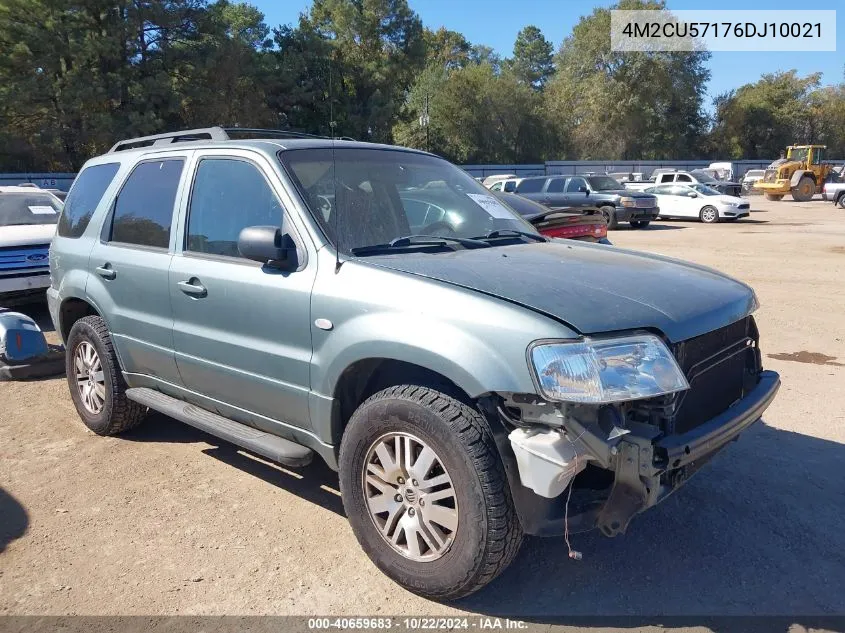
point(167, 520)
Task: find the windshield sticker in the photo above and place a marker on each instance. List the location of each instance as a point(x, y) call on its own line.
point(492, 206)
point(42, 210)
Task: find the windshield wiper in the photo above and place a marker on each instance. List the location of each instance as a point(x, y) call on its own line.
point(499, 233)
point(419, 240)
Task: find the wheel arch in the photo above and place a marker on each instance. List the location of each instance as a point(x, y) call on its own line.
point(71, 310)
point(367, 376)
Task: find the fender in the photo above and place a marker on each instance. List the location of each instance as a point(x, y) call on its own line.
point(798, 174)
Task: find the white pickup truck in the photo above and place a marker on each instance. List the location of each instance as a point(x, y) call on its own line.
point(668, 176)
point(834, 192)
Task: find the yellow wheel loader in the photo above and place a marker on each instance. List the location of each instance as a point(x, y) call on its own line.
point(802, 174)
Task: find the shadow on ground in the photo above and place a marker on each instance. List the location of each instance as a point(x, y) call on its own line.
point(756, 532)
point(650, 227)
point(14, 520)
point(316, 483)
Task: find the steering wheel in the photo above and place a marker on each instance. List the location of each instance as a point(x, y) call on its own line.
point(439, 228)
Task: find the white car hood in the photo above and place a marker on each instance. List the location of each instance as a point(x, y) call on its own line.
point(26, 234)
point(728, 200)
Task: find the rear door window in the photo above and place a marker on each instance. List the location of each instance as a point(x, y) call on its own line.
point(533, 185)
point(143, 211)
point(84, 197)
point(556, 185)
point(510, 186)
point(683, 178)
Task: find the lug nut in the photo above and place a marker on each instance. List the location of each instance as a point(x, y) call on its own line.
point(411, 512)
point(422, 502)
point(401, 480)
point(414, 482)
point(398, 498)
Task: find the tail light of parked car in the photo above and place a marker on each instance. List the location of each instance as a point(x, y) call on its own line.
point(596, 231)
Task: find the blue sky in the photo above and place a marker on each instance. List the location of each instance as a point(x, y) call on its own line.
point(496, 23)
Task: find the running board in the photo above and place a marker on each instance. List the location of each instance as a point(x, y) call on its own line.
point(270, 446)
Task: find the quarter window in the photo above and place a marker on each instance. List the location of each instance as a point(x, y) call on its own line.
point(228, 196)
point(683, 178)
point(143, 210)
point(84, 196)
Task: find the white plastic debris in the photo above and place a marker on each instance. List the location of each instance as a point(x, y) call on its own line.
point(547, 460)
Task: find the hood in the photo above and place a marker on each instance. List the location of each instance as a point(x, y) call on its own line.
point(26, 234)
point(731, 199)
point(591, 288)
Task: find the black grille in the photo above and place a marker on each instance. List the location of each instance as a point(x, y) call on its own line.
point(720, 366)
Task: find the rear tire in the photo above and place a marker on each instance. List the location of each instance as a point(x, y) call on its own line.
point(840, 202)
point(774, 197)
point(609, 215)
point(639, 224)
point(709, 215)
point(391, 519)
point(96, 384)
point(805, 190)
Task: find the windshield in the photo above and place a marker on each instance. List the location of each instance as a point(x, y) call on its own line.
point(604, 183)
point(367, 197)
point(704, 189)
point(17, 209)
point(798, 153)
point(703, 176)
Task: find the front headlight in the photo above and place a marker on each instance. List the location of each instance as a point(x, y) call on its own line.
point(628, 202)
point(601, 371)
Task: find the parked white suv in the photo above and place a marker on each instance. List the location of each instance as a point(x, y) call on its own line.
point(28, 217)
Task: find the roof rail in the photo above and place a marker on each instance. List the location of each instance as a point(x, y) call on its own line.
point(216, 133)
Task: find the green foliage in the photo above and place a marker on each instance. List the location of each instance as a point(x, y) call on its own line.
point(77, 75)
point(532, 57)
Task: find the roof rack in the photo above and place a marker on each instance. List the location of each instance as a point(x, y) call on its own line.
point(216, 133)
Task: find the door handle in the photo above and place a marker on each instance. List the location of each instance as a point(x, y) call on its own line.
point(106, 271)
point(192, 287)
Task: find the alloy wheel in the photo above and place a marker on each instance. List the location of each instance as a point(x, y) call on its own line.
point(90, 379)
point(709, 214)
point(410, 496)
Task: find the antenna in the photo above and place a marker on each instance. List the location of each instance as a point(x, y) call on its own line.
point(332, 124)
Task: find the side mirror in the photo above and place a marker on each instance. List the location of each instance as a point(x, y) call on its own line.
point(268, 245)
point(584, 190)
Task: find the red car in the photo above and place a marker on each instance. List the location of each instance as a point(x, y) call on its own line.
point(583, 224)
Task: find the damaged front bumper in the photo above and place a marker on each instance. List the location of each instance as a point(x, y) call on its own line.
point(642, 466)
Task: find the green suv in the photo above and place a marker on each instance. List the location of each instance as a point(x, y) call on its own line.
point(471, 380)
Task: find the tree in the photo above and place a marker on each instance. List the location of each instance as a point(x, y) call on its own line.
point(378, 49)
point(633, 105)
point(759, 120)
point(532, 57)
point(446, 48)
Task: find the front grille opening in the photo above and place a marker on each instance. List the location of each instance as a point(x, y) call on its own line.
point(720, 366)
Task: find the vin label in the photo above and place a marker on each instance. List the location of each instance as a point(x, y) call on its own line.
point(723, 30)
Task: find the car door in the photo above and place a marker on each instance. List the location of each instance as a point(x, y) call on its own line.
point(577, 192)
point(129, 267)
point(666, 202)
point(241, 330)
point(555, 193)
point(687, 202)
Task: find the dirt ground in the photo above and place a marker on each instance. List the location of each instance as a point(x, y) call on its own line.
point(167, 520)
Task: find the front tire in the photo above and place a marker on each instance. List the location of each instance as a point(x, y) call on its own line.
point(609, 215)
point(840, 202)
point(805, 190)
point(96, 384)
point(709, 215)
point(426, 493)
